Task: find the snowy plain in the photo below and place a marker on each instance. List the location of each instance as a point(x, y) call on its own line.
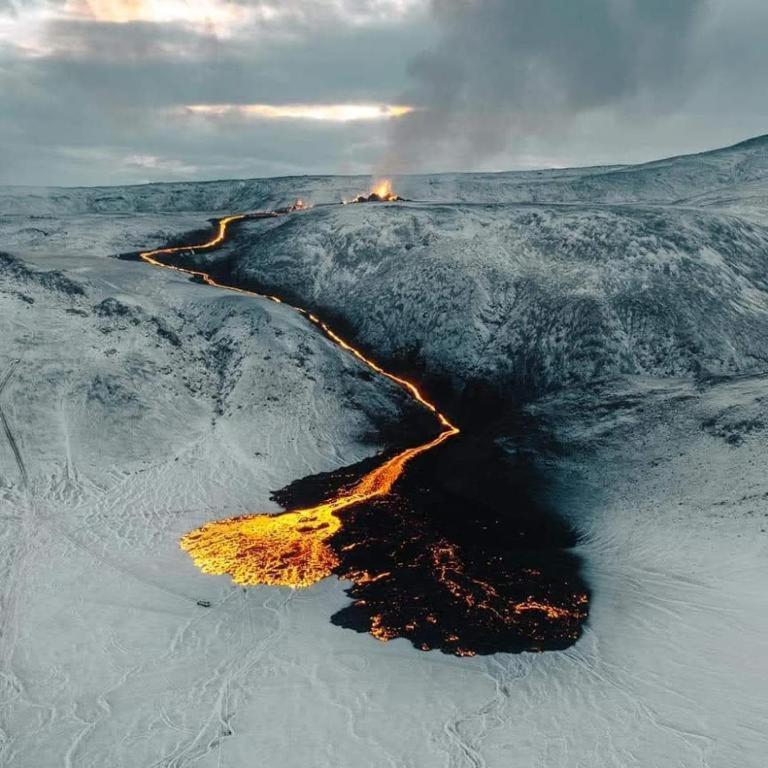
point(137, 405)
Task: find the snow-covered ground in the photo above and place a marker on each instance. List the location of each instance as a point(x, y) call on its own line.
point(139, 405)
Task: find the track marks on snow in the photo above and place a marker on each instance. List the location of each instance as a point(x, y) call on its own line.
point(7, 426)
point(229, 677)
point(467, 731)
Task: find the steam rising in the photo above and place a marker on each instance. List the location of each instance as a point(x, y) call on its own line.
point(506, 69)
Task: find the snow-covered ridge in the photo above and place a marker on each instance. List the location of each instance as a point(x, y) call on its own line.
point(527, 296)
point(117, 651)
point(14, 269)
point(675, 179)
point(533, 280)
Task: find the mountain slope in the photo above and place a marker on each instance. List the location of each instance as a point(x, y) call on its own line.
point(663, 181)
point(138, 404)
point(528, 297)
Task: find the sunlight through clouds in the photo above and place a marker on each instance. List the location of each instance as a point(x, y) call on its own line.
point(207, 88)
point(29, 25)
point(217, 15)
point(341, 113)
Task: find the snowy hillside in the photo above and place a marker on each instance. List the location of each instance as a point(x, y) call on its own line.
point(678, 179)
point(135, 407)
point(499, 289)
point(628, 304)
point(527, 297)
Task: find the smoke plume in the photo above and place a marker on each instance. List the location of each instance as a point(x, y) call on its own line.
point(506, 69)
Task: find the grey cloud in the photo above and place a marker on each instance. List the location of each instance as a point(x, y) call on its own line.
point(113, 88)
point(14, 7)
point(509, 68)
point(503, 83)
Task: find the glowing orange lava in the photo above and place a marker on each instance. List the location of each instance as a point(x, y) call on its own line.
point(380, 193)
point(384, 190)
point(290, 549)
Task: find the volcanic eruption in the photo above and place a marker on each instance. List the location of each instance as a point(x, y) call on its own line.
point(381, 193)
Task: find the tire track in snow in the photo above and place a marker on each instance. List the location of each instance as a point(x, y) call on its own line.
point(228, 677)
point(13, 686)
point(468, 730)
point(7, 427)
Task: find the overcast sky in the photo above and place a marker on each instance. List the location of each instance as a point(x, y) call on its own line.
point(125, 91)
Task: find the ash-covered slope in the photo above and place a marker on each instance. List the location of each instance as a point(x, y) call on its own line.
point(527, 296)
point(677, 179)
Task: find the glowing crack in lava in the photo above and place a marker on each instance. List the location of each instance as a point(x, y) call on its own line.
point(409, 576)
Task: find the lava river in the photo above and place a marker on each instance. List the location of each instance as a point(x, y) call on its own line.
point(463, 598)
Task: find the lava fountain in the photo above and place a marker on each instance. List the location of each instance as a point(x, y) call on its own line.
point(381, 193)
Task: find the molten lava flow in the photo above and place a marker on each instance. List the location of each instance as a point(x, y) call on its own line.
point(410, 578)
point(290, 549)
